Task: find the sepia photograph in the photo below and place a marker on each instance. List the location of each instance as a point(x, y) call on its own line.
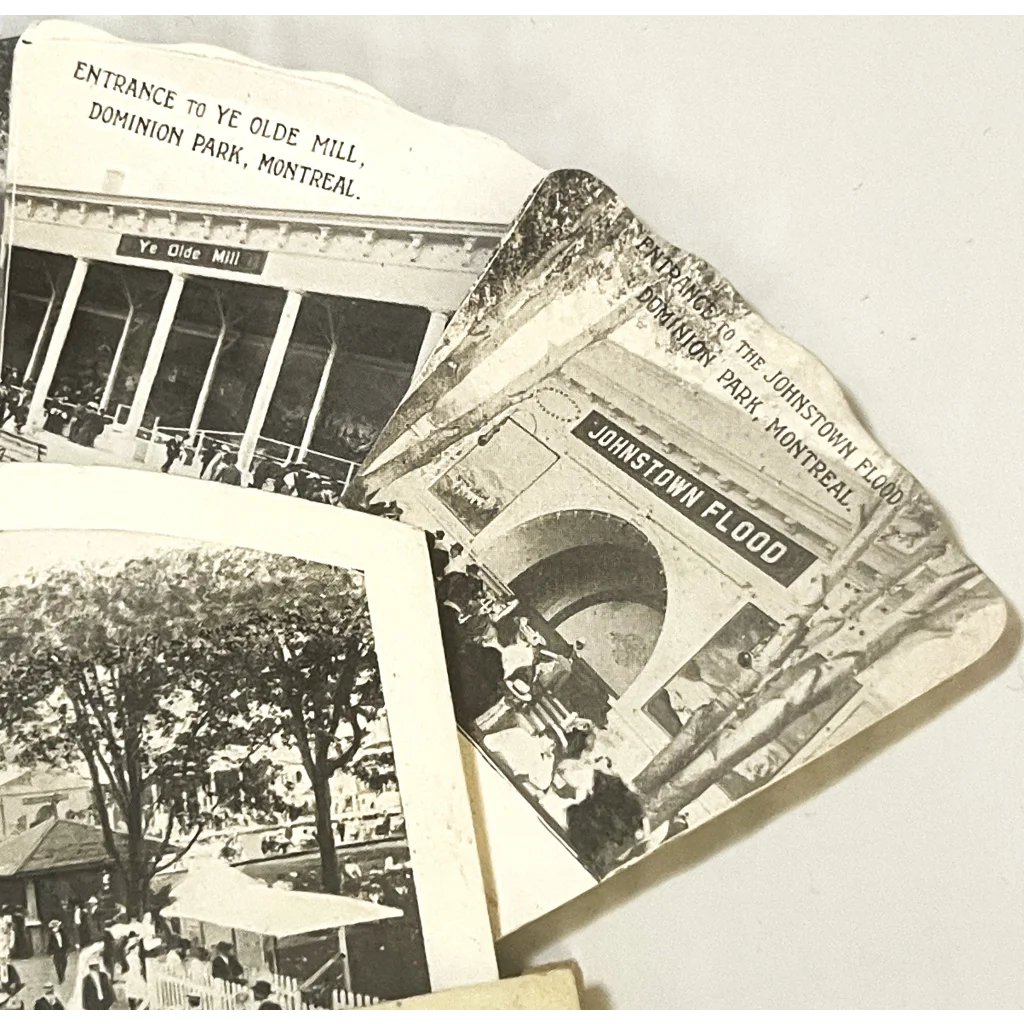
point(672, 566)
point(169, 309)
point(200, 800)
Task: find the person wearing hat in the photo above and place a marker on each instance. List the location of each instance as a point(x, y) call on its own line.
point(58, 946)
point(261, 992)
point(48, 1000)
point(225, 965)
point(439, 553)
point(97, 990)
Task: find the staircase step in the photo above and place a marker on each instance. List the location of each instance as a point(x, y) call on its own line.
point(15, 448)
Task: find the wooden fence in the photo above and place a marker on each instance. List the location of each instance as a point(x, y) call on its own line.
point(171, 985)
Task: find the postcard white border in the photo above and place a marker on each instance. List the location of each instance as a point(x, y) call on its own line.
point(403, 611)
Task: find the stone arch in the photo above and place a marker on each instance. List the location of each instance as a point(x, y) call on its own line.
point(590, 576)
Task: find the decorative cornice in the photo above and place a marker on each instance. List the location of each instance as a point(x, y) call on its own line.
point(444, 246)
point(461, 231)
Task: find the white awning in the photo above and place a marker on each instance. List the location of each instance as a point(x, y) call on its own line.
point(216, 893)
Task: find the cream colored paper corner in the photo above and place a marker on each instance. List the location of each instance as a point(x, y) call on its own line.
point(552, 989)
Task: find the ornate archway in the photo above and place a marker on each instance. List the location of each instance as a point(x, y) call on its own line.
point(591, 577)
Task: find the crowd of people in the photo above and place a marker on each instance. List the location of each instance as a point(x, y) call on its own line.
point(505, 679)
point(124, 971)
point(72, 410)
point(13, 400)
point(72, 407)
point(198, 965)
point(94, 931)
point(113, 957)
point(218, 460)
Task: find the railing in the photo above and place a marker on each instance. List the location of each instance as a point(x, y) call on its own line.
point(333, 466)
point(170, 987)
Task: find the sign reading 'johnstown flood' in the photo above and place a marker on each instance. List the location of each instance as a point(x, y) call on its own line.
point(196, 254)
point(614, 662)
point(751, 538)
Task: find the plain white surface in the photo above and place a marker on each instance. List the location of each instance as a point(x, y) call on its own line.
point(860, 182)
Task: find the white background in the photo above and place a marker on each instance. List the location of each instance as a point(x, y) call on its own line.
point(860, 181)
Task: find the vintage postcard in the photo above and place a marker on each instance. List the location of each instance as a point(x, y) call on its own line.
point(672, 564)
point(229, 767)
point(224, 270)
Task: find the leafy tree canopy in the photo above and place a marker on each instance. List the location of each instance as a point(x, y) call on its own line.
point(147, 671)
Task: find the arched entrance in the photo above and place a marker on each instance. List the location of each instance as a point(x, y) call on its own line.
point(588, 576)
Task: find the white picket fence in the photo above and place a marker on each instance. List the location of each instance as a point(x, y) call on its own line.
point(170, 987)
point(342, 1000)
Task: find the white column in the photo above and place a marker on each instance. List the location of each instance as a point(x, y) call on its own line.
point(268, 382)
point(318, 402)
point(204, 391)
point(31, 900)
point(36, 410)
point(115, 363)
point(153, 357)
point(37, 348)
point(435, 328)
point(346, 965)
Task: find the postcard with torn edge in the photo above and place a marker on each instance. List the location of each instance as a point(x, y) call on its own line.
point(672, 564)
point(228, 717)
point(223, 269)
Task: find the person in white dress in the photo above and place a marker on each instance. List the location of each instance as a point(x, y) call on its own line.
point(6, 936)
point(573, 778)
point(136, 992)
point(528, 755)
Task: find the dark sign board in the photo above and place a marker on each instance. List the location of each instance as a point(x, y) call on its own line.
point(732, 525)
point(195, 254)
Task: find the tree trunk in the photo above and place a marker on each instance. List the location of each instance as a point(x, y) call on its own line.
point(455, 424)
point(330, 877)
point(807, 684)
point(814, 681)
point(683, 747)
point(810, 630)
point(510, 316)
point(136, 876)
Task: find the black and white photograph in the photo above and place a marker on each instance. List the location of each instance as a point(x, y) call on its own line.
point(227, 321)
point(202, 792)
point(646, 634)
point(672, 566)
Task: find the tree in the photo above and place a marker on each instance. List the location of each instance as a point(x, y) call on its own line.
point(929, 590)
point(90, 675)
point(292, 643)
point(140, 296)
point(230, 315)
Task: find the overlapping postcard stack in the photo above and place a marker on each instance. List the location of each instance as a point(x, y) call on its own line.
point(566, 503)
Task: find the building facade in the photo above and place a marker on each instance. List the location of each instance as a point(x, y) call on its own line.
point(606, 500)
point(29, 796)
point(284, 318)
